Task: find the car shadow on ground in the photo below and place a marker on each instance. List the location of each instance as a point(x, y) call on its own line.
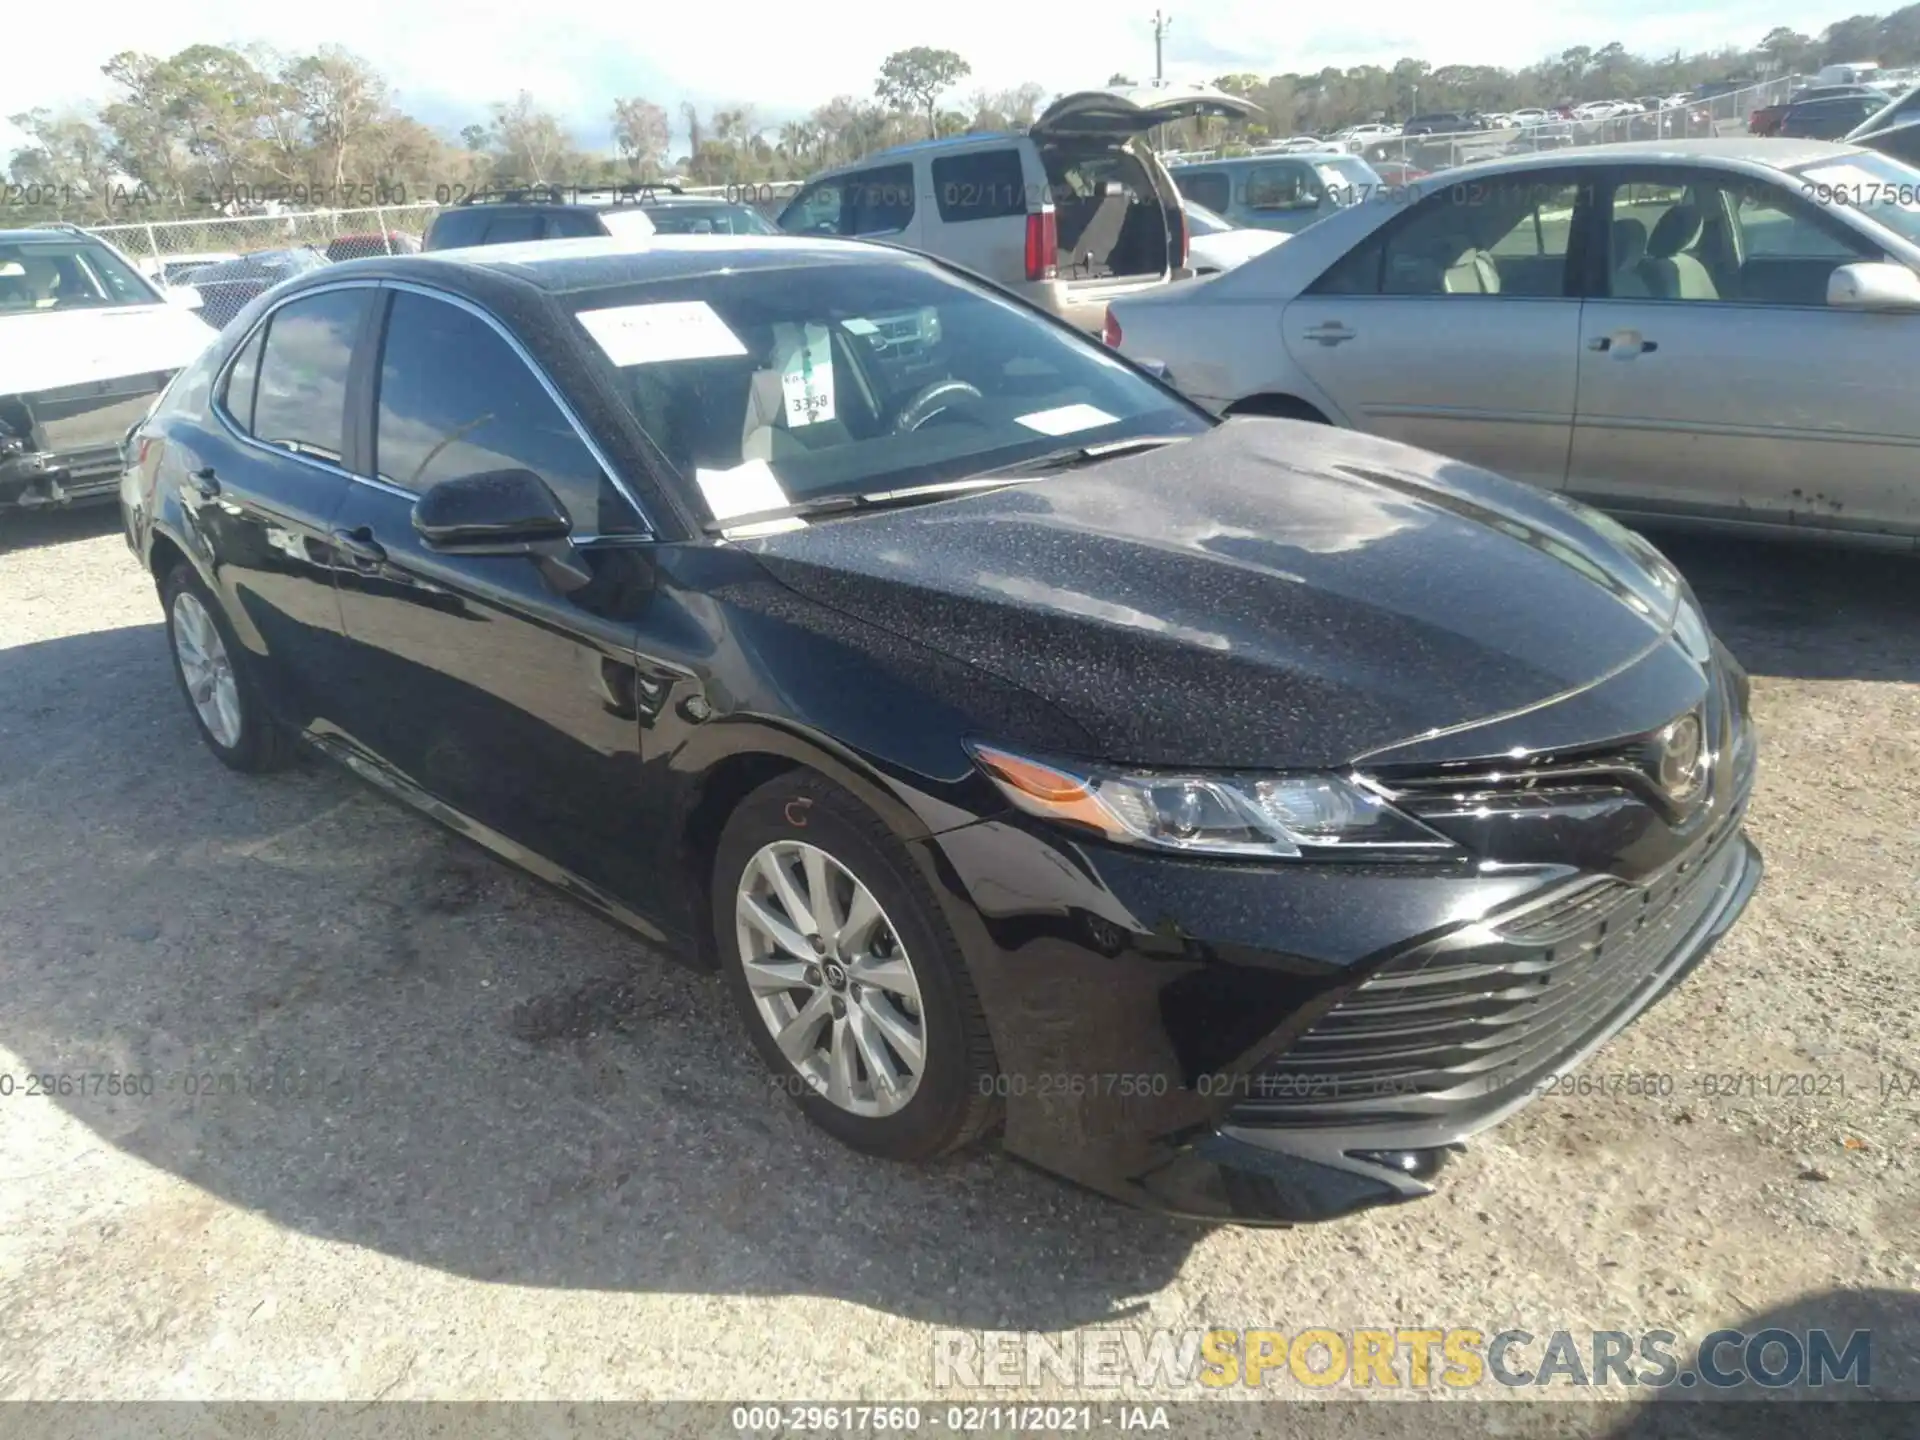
point(30, 530)
point(1885, 1405)
point(1806, 611)
point(362, 1028)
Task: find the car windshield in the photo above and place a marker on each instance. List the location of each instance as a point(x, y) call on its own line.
point(1879, 187)
point(1202, 221)
point(857, 377)
point(720, 218)
point(1348, 178)
point(67, 272)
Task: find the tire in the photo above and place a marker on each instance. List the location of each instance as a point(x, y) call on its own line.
point(246, 738)
point(951, 1099)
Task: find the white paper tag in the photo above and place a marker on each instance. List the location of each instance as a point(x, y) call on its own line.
point(650, 334)
point(807, 380)
point(859, 325)
point(744, 490)
point(1066, 419)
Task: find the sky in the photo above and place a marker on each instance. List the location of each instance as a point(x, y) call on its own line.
point(448, 58)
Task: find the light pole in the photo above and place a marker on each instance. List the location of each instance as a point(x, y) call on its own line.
point(1161, 24)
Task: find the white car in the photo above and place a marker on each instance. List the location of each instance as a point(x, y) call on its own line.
point(1215, 243)
point(86, 345)
point(1732, 354)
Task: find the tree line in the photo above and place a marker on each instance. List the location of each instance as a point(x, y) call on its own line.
point(215, 127)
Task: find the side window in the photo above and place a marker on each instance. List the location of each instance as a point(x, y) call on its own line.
point(452, 229)
point(816, 210)
point(300, 402)
point(1772, 223)
point(507, 229)
point(985, 185)
point(1209, 188)
point(566, 224)
point(1492, 238)
point(236, 397)
point(1287, 186)
point(455, 399)
point(879, 201)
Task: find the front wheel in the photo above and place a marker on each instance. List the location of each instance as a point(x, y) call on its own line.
point(849, 981)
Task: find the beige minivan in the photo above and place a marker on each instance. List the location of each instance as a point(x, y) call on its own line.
point(1074, 212)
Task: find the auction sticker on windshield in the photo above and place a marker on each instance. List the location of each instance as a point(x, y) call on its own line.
point(807, 378)
point(652, 334)
point(1066, 419)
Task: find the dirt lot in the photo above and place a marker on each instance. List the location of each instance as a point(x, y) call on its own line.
point(524, 1158)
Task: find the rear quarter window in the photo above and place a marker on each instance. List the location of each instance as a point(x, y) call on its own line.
point(1210, 188)
point(984, 185)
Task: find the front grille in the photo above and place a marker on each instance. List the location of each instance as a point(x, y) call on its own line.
point(1473, 1021)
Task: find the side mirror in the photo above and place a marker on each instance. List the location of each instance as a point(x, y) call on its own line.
point(498, 512)
point(1875, 285)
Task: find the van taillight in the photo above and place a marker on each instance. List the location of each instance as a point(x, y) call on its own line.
point(1110, 331)
point(1043, 246)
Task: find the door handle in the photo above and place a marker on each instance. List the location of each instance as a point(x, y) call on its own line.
point(1629, 341)
point(360, 544)
point(204, 483)
point(1330, 332)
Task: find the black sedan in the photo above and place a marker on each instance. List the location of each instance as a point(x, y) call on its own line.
point(1237, 815)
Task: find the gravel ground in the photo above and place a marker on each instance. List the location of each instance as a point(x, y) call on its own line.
point(525, 1159)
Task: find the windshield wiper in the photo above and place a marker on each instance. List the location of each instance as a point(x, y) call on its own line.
point(871, 500)
point(1075, 455)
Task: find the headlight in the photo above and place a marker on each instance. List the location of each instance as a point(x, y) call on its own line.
point(1282, 816)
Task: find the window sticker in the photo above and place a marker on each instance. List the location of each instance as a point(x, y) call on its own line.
point(1065, 420)
point(651, 334)
point(859, 325)
point(743, 490)
point(807, 378)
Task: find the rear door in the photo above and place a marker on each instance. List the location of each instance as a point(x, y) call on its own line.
point(266, 481)
point(1454, 326)
point(486, 684)
point(1723, 386)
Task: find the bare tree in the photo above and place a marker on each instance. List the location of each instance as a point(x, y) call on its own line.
point(641, 131)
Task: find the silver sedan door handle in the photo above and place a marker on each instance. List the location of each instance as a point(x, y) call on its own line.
point(1330, 332)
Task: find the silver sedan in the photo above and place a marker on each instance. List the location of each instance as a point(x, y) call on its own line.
point(1715, 332)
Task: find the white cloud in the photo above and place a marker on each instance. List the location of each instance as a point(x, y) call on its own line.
point(448, 60)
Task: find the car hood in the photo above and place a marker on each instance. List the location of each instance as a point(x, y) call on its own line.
point(1268, 594)
point(49, 349)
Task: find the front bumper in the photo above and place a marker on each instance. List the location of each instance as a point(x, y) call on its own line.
point(1279, 1044)
point(63, 447)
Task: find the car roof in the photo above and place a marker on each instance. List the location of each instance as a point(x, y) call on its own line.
point(1770, 151)
point(597, 262)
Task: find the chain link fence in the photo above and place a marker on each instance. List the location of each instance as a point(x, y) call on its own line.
point(167, 249)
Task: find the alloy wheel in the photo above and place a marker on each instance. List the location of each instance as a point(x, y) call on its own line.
point(207, 669)
point(830, 978)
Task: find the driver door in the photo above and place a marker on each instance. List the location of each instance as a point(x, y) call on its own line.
point(476, 677)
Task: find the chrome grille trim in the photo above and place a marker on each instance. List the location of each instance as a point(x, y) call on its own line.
point(1483, 1014)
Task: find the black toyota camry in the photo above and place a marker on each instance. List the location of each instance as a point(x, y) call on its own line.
point(1234, 816)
